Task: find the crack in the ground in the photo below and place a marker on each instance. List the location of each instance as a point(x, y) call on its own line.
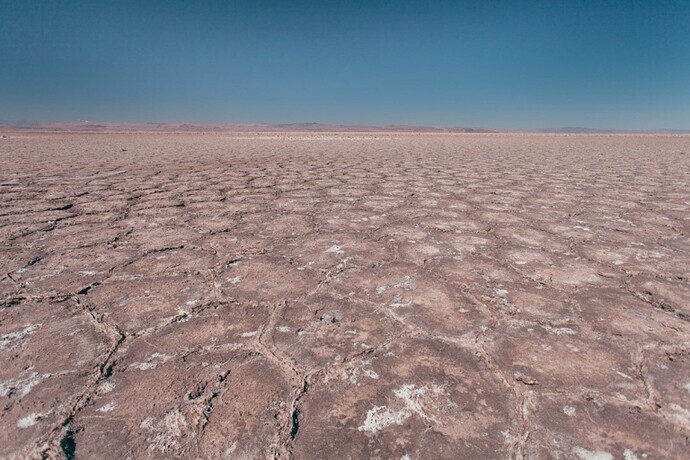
point(60, 438)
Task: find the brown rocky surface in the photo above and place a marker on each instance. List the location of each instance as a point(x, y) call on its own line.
point(349, 295)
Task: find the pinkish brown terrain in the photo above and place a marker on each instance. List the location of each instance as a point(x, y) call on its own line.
point(388, 296)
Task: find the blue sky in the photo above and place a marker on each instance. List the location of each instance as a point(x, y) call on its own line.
point(504, 64)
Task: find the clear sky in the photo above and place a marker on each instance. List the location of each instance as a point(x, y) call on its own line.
point(503, 64)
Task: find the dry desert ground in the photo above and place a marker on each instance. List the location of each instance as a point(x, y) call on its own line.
point(335, 296)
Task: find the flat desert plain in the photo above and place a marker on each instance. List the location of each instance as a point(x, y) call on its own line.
point(389, 296)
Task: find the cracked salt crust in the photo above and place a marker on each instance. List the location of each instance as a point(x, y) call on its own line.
point(543, 185)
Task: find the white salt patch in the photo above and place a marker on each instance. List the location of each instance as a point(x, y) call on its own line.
point(398, 302)
point(406, 283)
point(682, 414)
point(381, 416)
point(229, 451)
point(152, 362)
point(29, 420)
point(558, 330)
point(22, 387)
point(409, 397)
point(569, 411)
point(168, 432)
point(106, 387)
point(147, 423)
point(13, 338)
point(145, 366)
point(107, 408)
point(371, 374)
point(249, 334)
point(283, 329)
point(585, 454)
point(234, 280)
point(629, 455)
point(335, 249)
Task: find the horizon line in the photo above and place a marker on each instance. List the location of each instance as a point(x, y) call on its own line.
point(96, 126)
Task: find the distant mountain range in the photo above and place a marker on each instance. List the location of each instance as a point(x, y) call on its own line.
point(576, 130)
point(87, 126)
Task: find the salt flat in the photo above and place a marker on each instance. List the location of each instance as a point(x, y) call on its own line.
point(344, 295)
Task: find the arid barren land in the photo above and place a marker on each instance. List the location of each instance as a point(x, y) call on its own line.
point(344, 296)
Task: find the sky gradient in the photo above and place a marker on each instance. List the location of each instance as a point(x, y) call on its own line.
point(495, 64)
